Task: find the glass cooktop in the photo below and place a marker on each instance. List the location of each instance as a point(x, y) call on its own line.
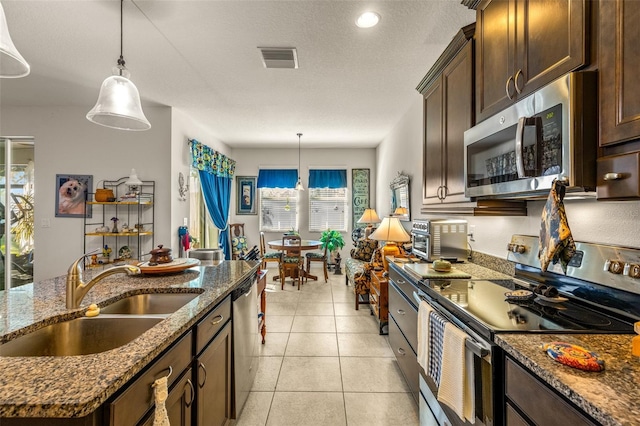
point(485, 303)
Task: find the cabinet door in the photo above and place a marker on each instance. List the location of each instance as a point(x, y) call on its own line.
point(179, 403)
point(495, 52)
point(213, 380)
point(619, 64)
point(551, 41)
point(457, 81)
point(432, 148)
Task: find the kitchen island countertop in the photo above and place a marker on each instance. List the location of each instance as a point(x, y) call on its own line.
point(75, 386)
point(611, 397)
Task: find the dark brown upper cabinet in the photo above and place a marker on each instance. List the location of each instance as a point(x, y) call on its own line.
point(619, 54)
point(521, 45)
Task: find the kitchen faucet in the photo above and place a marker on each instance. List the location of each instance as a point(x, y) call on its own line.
point(77, 288)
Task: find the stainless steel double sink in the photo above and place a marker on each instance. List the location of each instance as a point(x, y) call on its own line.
point(117, 324)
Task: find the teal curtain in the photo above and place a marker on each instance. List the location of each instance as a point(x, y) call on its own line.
point(327, 178)
point(216, 174)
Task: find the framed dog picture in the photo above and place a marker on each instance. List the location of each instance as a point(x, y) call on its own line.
point(71, 194)
point(246, 195)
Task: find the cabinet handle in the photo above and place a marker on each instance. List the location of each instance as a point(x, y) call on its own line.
point(613, 176)
point(217, 320)
point(401, 281)
point(515, 81)
point(204, 370)
point(445, 192)
point(506, 88)
point(193, 393)
point(401, 351)
point(401, 312)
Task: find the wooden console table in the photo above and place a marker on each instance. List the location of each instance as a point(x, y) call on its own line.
point(379, 300)
point(262, 295)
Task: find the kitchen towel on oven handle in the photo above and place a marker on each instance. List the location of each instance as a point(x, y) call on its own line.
point(457, 384)
point(424, 309)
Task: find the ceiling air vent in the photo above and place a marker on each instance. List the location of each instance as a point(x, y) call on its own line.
point(279, 57)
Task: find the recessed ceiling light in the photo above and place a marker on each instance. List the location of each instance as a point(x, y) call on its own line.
point(368, 20)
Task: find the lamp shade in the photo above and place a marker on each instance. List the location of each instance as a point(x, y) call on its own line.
point(12, 64)
point(400, 211)
point(118, 106)
point(133, 179)
point(369, 216)
point(390, 230)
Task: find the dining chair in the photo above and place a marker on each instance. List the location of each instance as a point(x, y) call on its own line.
point(272, 256)
point(291, 262)
point(319, 257)
point(238, 240)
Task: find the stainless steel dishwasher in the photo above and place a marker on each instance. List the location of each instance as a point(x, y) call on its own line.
point(246, 341)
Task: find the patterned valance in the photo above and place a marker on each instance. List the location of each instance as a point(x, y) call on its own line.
point(207, 160)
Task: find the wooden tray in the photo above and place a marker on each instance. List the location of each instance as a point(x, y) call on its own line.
point(177, 265)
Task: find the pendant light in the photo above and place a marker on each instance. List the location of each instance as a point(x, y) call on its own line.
point(118, 104)
point(299, 186)
point(12, 64)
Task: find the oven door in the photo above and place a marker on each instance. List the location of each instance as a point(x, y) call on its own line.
point(420, 245)
point(484, 377)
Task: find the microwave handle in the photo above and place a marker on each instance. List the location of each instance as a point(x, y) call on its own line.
point(522, 123)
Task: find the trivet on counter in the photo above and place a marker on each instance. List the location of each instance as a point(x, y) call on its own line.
point(425, 270)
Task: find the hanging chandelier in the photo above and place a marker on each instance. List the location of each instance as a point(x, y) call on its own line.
point(118, 104)
point(12, 64)
point(299, 186)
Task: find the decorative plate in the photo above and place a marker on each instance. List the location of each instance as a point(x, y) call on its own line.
point(574, 356)
point(124, 252)
point(557, 299)
point(519, 295)
point(177, 265)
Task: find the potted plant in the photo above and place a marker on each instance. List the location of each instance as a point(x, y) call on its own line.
point(333, 241)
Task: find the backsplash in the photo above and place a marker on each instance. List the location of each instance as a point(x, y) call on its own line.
point(494, 263)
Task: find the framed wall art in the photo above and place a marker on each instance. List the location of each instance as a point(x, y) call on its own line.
point(246, 195)
point(359, 194)
point(71, 195)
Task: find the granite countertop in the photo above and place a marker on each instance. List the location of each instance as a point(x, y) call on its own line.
point(611, 397)
point(75, 386)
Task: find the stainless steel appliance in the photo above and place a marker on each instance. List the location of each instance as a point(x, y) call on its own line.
point(246, 341)
point(549, 134)
point(602, 296)
point(439, 239)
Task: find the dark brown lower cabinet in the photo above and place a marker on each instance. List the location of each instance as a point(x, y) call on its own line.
point(529, 401)
point(179, 403)
point(213, 380)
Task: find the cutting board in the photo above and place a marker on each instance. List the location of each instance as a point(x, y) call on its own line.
point(176, 265)
point(425, 270)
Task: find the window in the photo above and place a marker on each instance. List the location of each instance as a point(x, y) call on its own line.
point(327, 209)
point(203, 232)
point(278, 209)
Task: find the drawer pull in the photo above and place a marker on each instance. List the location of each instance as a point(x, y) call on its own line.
point(613, 176)
point(204, 379)
point(401, 311)
point(401, 351)
point(193, 393)
point(217, 320)
point(402, 282)
point(168, 375)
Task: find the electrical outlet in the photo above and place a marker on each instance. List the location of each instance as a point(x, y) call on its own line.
point(472, 231)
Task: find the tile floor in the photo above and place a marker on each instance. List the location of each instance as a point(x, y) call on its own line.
point(324, 363)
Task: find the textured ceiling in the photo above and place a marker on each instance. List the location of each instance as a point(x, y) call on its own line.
point(202, 57)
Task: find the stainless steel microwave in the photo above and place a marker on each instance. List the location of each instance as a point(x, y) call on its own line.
point(550, 134)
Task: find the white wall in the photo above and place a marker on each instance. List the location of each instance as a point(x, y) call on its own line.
point(183, 128)
point(249, 161)
point(401, 151)
point(604, 222)
point(67, 143)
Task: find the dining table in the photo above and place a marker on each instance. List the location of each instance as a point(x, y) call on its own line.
point(304, 245)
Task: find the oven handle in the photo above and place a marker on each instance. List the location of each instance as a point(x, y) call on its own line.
point(470, 343)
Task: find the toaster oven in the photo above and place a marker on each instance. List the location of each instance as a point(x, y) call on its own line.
point(439, 239)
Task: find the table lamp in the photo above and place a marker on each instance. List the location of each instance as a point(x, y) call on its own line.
point(391, 231)
point(369, 217)
point(400, 211)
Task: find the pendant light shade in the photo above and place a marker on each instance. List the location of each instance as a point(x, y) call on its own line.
point(118, 104)
point(12, 64)
point(299, 186)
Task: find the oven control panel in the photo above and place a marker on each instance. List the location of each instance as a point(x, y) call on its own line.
point(611, 266)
